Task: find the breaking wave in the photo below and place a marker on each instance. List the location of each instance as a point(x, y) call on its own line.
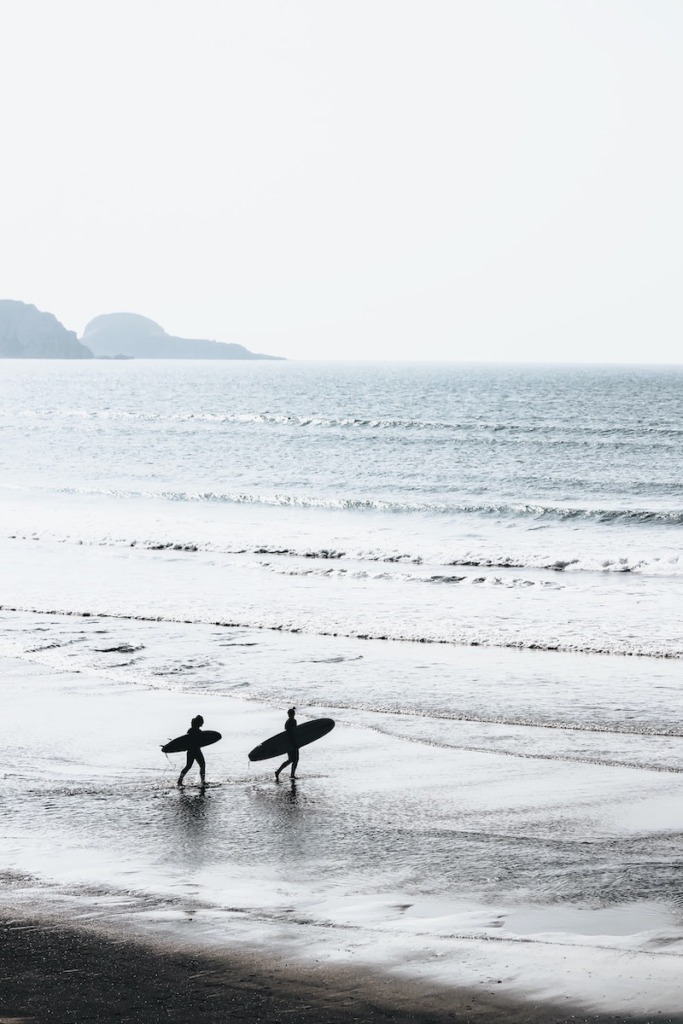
point(500, 510)
point(282, 554)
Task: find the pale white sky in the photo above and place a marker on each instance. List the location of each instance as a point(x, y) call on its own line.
point(473, 179)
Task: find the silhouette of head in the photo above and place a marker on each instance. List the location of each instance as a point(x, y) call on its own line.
point(197, 721)
point(291, 712)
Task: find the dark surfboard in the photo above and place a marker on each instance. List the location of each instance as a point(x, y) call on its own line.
point(206, 736)
point(303, 734)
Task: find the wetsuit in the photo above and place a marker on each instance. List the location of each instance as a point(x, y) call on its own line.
point(290, 726)
point(194, 754)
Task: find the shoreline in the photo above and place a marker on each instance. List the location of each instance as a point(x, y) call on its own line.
point(65, 974)
point(328, 901)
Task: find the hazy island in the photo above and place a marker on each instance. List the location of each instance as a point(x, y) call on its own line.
point(129, 334)
point(28, 333)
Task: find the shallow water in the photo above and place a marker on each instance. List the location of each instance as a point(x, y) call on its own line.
point(404, 837)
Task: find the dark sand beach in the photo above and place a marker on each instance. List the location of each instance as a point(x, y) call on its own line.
point(59, 974)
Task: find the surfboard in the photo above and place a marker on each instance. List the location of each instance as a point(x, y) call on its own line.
point(305, 733)
point(206, 736)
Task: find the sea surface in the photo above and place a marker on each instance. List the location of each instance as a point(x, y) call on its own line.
point(476, 570)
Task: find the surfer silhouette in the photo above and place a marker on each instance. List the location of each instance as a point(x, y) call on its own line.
point(293, 759)
point(193, 751)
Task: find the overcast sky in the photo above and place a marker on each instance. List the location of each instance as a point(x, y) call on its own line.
point(473, 179)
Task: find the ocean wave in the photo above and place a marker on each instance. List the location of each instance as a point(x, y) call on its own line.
point(669, 566)
point(537, 511)
point(440, 579)
point(531, 563)
point(594, 432)
point(458, 639)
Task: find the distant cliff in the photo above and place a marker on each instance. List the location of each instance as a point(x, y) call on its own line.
point(26, 333)
point(128, 334)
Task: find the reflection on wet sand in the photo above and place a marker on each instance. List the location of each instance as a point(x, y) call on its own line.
point(290, 796)
point(191, 813)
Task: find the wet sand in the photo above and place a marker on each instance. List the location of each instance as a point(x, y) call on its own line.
point(368, 894)
point(62, 975)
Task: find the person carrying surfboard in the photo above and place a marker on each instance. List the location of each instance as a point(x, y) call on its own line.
point(293, 759)
point(193, 751)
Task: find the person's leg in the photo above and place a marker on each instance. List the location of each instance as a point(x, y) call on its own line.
point(295, 761)
point(188, 764)
point(282, 766)
point(199, 757)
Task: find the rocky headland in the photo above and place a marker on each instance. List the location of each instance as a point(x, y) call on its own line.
point(27, 333)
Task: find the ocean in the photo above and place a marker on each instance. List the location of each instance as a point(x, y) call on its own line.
point(475, 570)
